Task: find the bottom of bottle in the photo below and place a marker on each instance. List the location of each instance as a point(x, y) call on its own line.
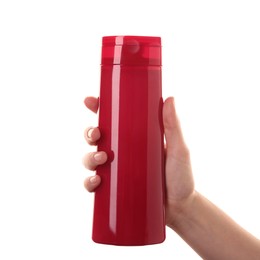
point(128, 243)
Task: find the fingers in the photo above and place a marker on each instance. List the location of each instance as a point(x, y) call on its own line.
point(175, 144)
point(92, 103)
point(92, 135)
point(91, 183)
point(92, 160)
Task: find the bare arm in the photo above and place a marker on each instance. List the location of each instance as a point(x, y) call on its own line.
point(213, 234)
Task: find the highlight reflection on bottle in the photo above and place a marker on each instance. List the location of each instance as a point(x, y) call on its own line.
point(129, 203)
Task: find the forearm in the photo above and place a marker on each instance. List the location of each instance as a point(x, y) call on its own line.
point(212, 234)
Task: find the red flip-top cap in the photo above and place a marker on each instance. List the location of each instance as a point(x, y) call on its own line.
point(131, 50)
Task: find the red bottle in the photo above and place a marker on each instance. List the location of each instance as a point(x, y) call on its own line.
point(129, 203)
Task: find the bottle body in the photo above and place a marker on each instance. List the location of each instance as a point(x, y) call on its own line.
point(129, 204)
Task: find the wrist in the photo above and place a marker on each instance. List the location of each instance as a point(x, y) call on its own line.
point(179, 210)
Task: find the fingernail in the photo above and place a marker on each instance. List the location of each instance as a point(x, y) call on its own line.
point(98, 157)
point(93, 179)
point(89, 133)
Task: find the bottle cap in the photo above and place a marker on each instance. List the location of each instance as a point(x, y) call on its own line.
point(131, 50)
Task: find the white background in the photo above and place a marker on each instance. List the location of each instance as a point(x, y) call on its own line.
point(49, 62)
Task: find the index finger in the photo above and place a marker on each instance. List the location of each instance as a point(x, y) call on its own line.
point(92, 103)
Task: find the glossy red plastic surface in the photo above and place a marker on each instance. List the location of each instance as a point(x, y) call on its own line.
point(129, 203)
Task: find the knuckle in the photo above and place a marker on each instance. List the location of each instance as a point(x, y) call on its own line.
point(89, 162)
point(87, 185)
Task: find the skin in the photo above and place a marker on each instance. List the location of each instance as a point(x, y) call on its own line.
point(205, 227)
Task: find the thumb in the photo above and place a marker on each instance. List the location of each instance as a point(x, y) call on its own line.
point(175, 144)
